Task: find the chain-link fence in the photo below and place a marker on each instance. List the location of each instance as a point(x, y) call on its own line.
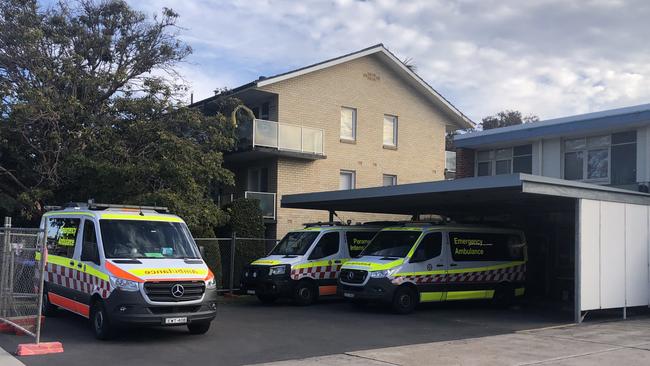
point(227, 257)
point(21, 279)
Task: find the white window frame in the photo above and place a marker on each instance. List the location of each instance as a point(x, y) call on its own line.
point(395, 120)
point(393, 177)
point(353, 179)
point(354, 124)
point(493, 159)
point(585, 161)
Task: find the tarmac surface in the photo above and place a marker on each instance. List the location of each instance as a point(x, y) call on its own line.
point(247, 332)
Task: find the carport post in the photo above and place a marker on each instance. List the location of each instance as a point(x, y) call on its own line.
point(331, 218)
point(233, 247)
point(577, 315)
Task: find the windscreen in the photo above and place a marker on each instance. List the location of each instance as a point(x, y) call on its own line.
point(146, 239)
point(392, 243)
point(295, 243)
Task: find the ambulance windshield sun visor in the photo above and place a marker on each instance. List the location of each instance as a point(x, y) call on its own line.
point(146, 239)
point(295, 243)
point(391, 244)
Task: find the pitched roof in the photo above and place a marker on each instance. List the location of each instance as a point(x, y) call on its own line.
point(457, 116)
point(595, 122)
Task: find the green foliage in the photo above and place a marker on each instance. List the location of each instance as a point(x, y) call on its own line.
point(506, 118)
point(245, 221)
point(85, 114)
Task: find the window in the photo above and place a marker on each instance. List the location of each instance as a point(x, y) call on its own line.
point(390, 130)
point(327, 245)
point(62, 236)
point(264, 113)
point(486, 247)
point(603, 159)
point(430, 247)
point(89, 251)
point(348, 123)
point(346, 179)
point(358, 240)
point(389, 180)
point(518, 159)
point(258, 180)
point(295, 243)
point(392, 243)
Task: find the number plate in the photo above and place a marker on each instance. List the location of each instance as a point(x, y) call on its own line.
point(182, 320)
point(250, 292)
point(348, 294)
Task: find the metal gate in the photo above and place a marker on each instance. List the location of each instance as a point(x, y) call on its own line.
point(21, 279)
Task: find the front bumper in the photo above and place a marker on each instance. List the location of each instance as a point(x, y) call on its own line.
point(130, 308)
point(377, 289)
point(256, 280)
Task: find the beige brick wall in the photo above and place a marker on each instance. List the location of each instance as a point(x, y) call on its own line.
point(370, 86)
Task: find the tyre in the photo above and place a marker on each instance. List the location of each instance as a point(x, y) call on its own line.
point(47, 308)
point(100, 322)
point(267, 299)
point(504, 295)
point(199, 328)
point(305, 293)
point(405, 300)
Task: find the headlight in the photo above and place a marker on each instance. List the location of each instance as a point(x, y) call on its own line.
point(123, 284)
point(382, 274)
point(277, 270)
point(211, 283)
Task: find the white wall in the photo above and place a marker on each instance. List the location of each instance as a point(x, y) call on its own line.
point(614, 255)
point(551, 158)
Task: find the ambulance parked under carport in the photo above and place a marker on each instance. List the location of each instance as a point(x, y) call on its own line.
point(588, 245)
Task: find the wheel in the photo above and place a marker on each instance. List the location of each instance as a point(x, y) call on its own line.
point(100, 322)
point(504, 295)
point(405, 300)
point(47, 308)
point(305, 293)
point(267, 299)
point(199, 328)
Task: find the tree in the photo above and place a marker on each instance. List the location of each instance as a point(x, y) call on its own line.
point(91, 108)
point(506, 118)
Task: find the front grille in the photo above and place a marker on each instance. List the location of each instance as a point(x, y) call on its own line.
point(353, 276)
point(253, 273)
point(162, 291)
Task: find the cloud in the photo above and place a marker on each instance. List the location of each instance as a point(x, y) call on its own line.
point(550, 58)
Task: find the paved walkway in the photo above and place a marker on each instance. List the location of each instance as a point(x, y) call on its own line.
point(611, 343)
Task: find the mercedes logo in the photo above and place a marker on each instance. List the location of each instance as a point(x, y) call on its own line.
point(178, 290)
point(350, 276)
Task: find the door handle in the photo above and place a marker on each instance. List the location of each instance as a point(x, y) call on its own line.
point(72, 263)
point(337, 262)
point(440, 265)
point(453, 265)
point(79, 265)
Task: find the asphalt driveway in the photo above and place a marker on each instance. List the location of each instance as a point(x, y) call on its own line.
point(247, 332)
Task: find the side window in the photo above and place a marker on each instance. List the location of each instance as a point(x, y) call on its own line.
point(62, 236)
point(89, 251)
point(486, 246)
point(358, 240)
point(327, 245)
point(429, 248)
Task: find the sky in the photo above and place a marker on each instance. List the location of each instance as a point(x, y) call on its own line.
point(550, 58)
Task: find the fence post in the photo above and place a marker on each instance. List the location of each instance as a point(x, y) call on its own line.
point(233, 247)
point(4, 275)
point(41, 244)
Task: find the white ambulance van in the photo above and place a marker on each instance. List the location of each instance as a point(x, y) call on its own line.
point(422, 262)
point(126, 265)
point(305, 264)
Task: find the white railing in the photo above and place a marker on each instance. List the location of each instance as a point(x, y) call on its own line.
point(283, 136)
point(267, 202)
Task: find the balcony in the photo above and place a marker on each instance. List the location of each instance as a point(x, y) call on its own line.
point(266, 200)
point(261, 138)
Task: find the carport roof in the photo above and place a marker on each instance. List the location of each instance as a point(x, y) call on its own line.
point(502, 193)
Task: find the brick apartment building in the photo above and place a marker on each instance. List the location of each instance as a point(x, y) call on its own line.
point(360, 120)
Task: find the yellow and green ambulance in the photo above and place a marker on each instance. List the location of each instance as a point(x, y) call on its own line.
point(411, 263)
point(305, 264)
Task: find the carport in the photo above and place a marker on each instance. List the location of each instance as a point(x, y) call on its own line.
point(588, 245)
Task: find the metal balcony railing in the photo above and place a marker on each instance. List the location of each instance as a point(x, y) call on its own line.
point(267, 202)
point(287, 137)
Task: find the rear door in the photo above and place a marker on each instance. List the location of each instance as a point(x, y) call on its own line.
point(62, 239)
